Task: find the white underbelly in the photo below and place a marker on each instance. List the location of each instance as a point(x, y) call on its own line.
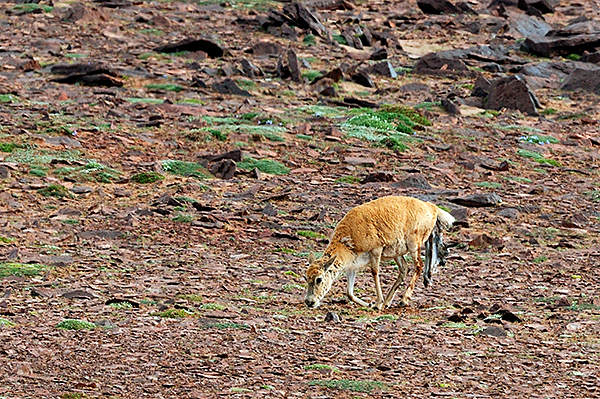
point(360, 262)
point(394, 249)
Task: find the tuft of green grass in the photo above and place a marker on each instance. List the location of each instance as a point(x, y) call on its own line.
point(578, 307)
point(7, 98)
point(459, 325)
point(594, 195)
point(54, 190)
point(488, 184)
point(291, 273)
point(152, 31)
point(184, 218)
point(21, 269)
point(91, 171)
point(190, 297)
point(212, 306)
point(311, 75)
point(74, 395)
point(264, 165)
point(318, 366)
point(239, 390)
point(226, 326)
point(539, 139)
point(173, 314)
point(121, 305)
point(6, 323)
point(5, 240)
point(549, 111)
point(350, 385)
point(348, 179)
point(8, 147)
point(246, 84)
point(74, 324)
point(146, 177)
point(340, 39)
point(309, 40)
point(31, 8)
point(573, 57)
point(537, 157)
point(311, 234)
point(165, 87)
point(136, 100)
point(183, 168)
point(292, 287)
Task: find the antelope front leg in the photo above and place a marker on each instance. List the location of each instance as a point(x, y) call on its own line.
point(375, 261)
point(416, 255)
point(351, 275)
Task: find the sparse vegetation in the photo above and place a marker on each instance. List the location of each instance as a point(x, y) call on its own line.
point(173, 313)
point(74, 324)
point(350, 385)
point(54, 190)
point(184, 168)
point(146, 177)
point(264, 165)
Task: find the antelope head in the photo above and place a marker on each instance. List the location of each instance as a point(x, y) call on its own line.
point(319, 277)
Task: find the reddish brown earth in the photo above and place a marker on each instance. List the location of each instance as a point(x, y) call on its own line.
point(514, 313)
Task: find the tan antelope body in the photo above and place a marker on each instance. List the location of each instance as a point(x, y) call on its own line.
point(386, 228)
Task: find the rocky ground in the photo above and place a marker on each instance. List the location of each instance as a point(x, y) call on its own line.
point(166, 167)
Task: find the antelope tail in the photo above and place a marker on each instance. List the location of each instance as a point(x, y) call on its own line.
point(435, 250)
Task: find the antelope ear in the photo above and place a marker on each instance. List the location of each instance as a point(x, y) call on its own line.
point(329, 262)
point(311, 258)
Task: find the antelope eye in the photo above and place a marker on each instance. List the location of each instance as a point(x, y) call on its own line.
point(318, 280)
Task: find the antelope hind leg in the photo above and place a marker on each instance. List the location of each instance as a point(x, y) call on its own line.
point(402, 270)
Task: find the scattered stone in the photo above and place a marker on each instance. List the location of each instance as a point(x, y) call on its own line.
point(121, 192)
point(359, 102)
point(292, 60)
point(478, 200)
point(509, 213)
point(572, 39)
point(461, 216)
point(593, 58)
point(360, 161)
point(510, 92)
point(266, 48)
point(251, 70)
point(413, 88)
point(437, 7)
point(521, 25)
point(331, 317)
point(81, 189)
point(212, 49)
point(379, 54)
point(494, 331)
point(497, 167)
point(229, 86)
point(584, 79)
point(484, 241)
point(4, 172)
point(104, 323)
point(362, 78)
point(378, 177)
point(563, 302)
point(78, 294)
point(106, 234)
point(383, 68)
point(414, 181)
point(450, 106)
point(269, 210)
point(223, 169)
point(441, 64)
point(62, 141)
point(133, 304)
point(235, 155)
point(542, 6)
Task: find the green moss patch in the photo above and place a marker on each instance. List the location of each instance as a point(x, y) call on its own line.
point(183, 168)
point(350, 385)
point(173, 314)
point(264, 165)
point(165, 87)
point(537, 157)
point(74, 324)
point(21, 269)
point(6, 323)
point(146, 177)
point(54, 190)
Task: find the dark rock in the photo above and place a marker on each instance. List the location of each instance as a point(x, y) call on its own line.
point(591, 57)
point(494, 331)
point(484, 241)
point(572, 39)
point(212, 49)
point(107, 234)
point(229, 70)
point(450, 106)
point(587, 79)
point(251, 70)
point(292, 60)
point(509, 213)
point(78, 294)
point(414, 181)
point(379, 54)
point(100, 79)
point(439, 64)
point(4, 172)
point(478, 200)
point(522, 25)
point(543, 6)
point(359, 102)
point(269, 210)
point(235, 155)
point(331, 317)
point(104, 323)
point(295, 14)
point(81, 189)
point(133, 304)
point(498, 167)
point(362, 78)
point(266, 48)
point(510, 92)
point(378, 177)
point(228, 86)
point(437, 7)
point(223, 169)
point(62, 141)
point(383, 68)
point(461, 216)
point(563, 302)
point(360, 161)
